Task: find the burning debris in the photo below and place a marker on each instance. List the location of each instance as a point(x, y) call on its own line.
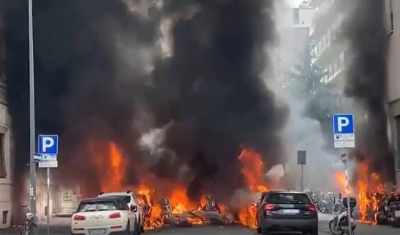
point(177, 209)
point(370, 190)
point(164, 214)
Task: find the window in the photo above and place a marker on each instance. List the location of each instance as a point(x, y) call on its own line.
point(341, 60)
point(90, 206)
point(5, 216)
point(2, 61)
point(329, 36)
point(336, 66)
point(315, 50)
point(330, 71)
point(326, 75)
point(391, 15)
point(288, 198)
point(3, 168)
point(397, 125)
point(296, 16)
point(320, 46)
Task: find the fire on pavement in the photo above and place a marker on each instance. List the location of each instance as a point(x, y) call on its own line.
point(176, 208)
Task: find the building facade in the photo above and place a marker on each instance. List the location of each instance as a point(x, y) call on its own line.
point(332, 57)
point(392, 17)
point(294, 30)
point(6, 161)
point(329, 54)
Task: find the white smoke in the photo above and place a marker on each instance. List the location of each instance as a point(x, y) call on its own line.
point(152, 142)
point(276, 173)
point(242, 198)
point(301, 132)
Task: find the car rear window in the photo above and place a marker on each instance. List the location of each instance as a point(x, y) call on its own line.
point(288, 198)
point(106, 205)
point(126, 199)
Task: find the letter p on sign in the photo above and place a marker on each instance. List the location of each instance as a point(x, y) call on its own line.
point(342, 122)
point(47, 143)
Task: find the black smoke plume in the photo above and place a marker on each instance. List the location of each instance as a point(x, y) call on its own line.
point(365, 31)
point(92, 83)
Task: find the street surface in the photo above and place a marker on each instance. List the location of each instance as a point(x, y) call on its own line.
point(60, 227)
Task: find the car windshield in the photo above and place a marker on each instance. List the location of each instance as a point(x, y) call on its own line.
point(288, 198)
point(97, 206)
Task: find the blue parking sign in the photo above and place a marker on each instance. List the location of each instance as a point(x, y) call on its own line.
point(48, 144)
point(343, 124)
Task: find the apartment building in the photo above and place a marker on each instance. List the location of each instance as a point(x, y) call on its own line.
point(294, 29)
point(332, 57)
point(329, 53)
point(392, 17)
point(5, 134)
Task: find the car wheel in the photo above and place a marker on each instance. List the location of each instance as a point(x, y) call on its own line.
point(128, 229)
point(264, 231)
point(142, 227)
point(313, 231)
point(137, 229)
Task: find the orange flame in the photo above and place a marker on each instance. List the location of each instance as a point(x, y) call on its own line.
point(366, 187)
point(253, 172)
point(112, 168)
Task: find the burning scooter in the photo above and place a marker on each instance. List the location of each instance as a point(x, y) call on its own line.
point(394, 208)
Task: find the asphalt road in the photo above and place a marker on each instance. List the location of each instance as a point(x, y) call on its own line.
point(362, 229)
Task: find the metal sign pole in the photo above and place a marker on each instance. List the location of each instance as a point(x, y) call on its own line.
point(48, 201)
point(348, 198)
point(302, 178)
point(32, 146)
point(344, 138)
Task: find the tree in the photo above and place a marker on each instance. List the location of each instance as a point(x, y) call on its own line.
point(306, 82)
point(306, 77)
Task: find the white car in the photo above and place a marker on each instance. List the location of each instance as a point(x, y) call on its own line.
point(104, 216)
point(130, 198)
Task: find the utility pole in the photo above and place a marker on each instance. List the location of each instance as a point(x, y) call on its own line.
point(32, 145)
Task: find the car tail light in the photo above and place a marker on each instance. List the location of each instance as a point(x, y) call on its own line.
point(79, 217)
point(115, 215)
point(269, 207)
point(311, 207)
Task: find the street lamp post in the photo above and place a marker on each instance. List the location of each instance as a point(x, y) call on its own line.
point(32, 145)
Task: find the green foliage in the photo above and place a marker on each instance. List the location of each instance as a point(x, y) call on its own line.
point(306, 77)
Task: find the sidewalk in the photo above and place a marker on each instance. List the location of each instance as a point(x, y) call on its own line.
point(57, 226)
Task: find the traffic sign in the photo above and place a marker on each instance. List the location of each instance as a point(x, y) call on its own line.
point(48, 164)
point(48, 144)
point(48, 161)
point(37, 158)
point(343, 131)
